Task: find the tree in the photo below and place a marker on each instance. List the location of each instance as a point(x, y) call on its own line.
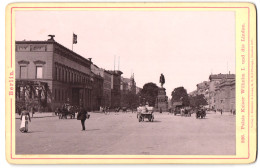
point(32, 94)
point(180, 94)
point(198, 100)
point(149, 94)
point(130, 99)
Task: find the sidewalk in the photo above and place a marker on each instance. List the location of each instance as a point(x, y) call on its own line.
point(218, 112)
point(38, 115)
point(46, 114)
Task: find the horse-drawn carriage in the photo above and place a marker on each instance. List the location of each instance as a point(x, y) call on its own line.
point(200, 113)
point(67, 111)
point(145, 112)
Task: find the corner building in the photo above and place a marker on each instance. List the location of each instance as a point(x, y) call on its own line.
point(215, 88)
point(226, 95)
point(67, 74)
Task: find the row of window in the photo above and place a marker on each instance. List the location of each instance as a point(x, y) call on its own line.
point(24, 72)
point(70, 75)
point(60, 94)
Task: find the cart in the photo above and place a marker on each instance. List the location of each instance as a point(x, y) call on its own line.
point(146, 112)
point(201, 113)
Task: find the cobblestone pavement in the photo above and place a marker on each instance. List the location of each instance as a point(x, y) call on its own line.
point(121, 133)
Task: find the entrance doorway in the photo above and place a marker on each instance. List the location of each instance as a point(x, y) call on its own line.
point(75, 96)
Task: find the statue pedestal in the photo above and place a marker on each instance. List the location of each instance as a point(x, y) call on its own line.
point(161, 101)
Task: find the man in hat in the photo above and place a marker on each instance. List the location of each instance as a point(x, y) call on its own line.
point(82, 116)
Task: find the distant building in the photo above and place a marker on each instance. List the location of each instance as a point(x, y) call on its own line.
point(203, 89)
point(107, 77)
point(97, 92)
point(138, 90)
point(124, 85)
point(225, 95)
point(214, 82)
point(67, 74)
point(115, 88)
point(107, 89)
point(128, 85)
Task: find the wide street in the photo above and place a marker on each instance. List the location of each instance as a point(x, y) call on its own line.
point(122, 134)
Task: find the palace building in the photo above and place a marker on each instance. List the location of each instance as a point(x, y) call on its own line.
point(66, 74)
point(225, 95)
point(222, 91)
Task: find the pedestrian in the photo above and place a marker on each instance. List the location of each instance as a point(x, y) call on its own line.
point(32, 110)
point(107, 109)
point(25, 116)
point(82, 115)
point(221, 111)
point(182, 111)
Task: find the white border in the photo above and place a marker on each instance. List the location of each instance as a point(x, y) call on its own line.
point(3, 162)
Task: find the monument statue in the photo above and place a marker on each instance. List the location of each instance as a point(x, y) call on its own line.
point(162, 100)
point(162, 80)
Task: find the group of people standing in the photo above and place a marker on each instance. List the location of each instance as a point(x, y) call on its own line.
point(185, 112)
point(26, 118)
point(104, 109)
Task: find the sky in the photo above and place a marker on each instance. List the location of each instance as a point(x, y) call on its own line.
point(185, 46)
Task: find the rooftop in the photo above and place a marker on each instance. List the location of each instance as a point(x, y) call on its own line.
point(52, 41)
point(222, 76)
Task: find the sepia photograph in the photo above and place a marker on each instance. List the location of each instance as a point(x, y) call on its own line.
point(125, 82)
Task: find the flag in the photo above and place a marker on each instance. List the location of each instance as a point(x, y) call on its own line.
point(75, 38)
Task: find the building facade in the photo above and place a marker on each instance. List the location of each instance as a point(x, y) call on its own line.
point(107, 89)
point(138, 90)
point(67, 74)
point(97, 92)
point(128, 88)
point(106, 97)
point(214, 82)
point(225, 96)
point(203, 89)
point(115, 88)
point(128, 85)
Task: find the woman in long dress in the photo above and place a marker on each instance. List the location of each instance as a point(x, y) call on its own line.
point(25, 117)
